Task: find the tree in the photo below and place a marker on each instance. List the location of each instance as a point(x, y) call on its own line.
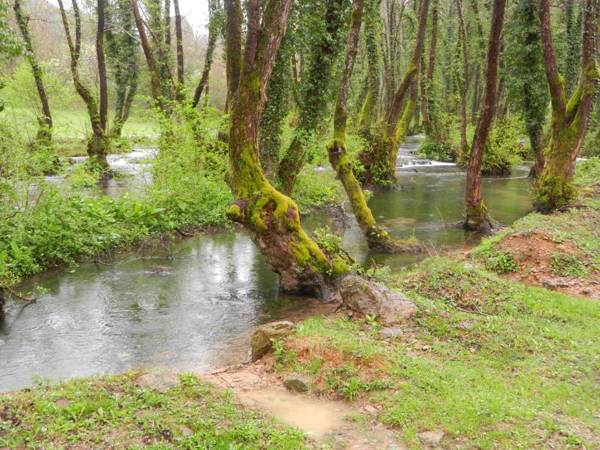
point(122, 54)
point(271, 217)
point(570, 117)
point(476, 216)
point(377, 238)
point(463, 80)
point(233, 47)
point(427, 80)
point(380, 156)
point(215, 23)
point(97, 109)
point(527, 81)
point(44, 134)
point(316, 88)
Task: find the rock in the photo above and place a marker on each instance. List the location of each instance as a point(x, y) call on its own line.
point(431, 438)
point(371, 298)
point(391, 332)
point(261, 341)
point(158, 381)
point(296, 383)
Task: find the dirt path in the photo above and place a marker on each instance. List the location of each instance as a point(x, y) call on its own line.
point(328, 423)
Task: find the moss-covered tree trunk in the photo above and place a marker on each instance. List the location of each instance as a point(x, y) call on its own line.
point(233, 47)
point(315, 93)
point(554, 188)
point(44, 134)
point(271, 217)
point(463, 81)
point(380, 156)
point(476, 215)
point(369, 112)
point(99, 142)
point(122, 53)
point(214, 26)
point(427, 80)
point(377, 238)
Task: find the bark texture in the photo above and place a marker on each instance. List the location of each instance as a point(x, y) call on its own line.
point(476, 215)
point(377, 238)
point(271, 217)
point(554, 188)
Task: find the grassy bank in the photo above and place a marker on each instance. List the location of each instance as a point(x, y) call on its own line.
point(120, 412)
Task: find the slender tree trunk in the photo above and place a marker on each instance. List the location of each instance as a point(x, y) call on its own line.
point(213, 32)
point(464, 83)
point(233, 46)
point(427, 82)
point(370, 106)
point(315, 98)
point(99, 142)
point(570, 118)
point(477, 94)
point(44, 135)
point(272, 218)
point(477, 218)
point(380, 156)
point(179, 44)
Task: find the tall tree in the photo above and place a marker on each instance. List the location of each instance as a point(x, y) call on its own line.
point(316, 90)
point(271, 217)
point(179, 46)
point(233, 46)
point(44, 134)
point(215, 24)
point(97, 109)
point(122, 55)
point(380, 156)
point(427, 79)
point(463, 80)
point(476, 216)
point(527, 81)
point(377, 238)
point(570, 117)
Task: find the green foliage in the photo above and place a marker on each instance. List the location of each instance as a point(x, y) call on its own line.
point(501, 262)
point(504, 148)
point(564, 264)
point(588, 172)
point(116, 412)
point(437, 151)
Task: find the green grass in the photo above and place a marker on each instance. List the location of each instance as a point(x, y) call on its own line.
point(493, 363)
point(114, 412)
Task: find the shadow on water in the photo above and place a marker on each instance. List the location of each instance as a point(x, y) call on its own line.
point(192, 304)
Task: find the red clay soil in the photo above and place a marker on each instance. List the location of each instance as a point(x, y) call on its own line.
point(533, 253)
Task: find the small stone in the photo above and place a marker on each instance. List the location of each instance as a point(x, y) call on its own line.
point(391, 332)
point(467, 325)
point(431, 439)
point(261, 341)
point(370, 409)
point(296, 383)
point(158, 381)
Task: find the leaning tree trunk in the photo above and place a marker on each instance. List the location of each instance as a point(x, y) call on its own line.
point(380, 156)
point(377, 238)
point(315, 94)
point(99, 142)
point(213, 32)
point(44, 135)
point(570, 118)
point(476, 216)
point(272, 218)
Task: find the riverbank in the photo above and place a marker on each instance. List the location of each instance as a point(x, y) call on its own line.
point(487, 362)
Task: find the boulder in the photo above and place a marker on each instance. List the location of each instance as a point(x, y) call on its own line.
point(261, 340)
point(296, 383)
point(371, 298)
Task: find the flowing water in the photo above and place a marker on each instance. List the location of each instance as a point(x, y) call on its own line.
point(191, 304)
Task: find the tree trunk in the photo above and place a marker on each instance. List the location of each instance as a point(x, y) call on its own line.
point(98, 143)
point(370, 106)
point(44, 135)
point(179, 45)
point(427, 82)
point(271, 218)
point(477, 94)
point(477, 218)
point(570, 118)
point(380, 156)
point(213, 32)
point(233, 47)
point(464, 83)
point(377, 238)
point(315, 94)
